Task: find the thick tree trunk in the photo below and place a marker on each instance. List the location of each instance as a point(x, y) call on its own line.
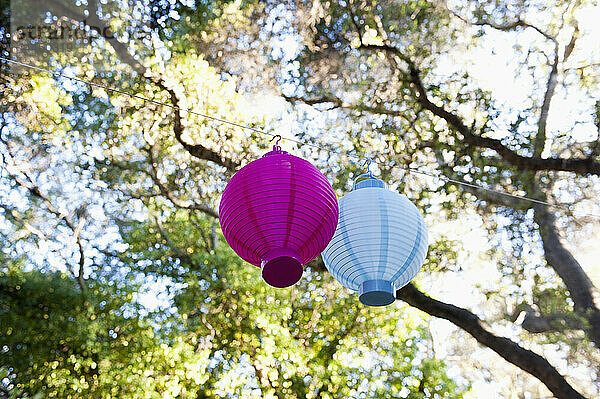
point(581, 288)
point(523, 358)
point(583, 292)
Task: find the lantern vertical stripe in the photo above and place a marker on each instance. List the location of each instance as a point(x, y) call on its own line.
point(411, 256)
point(384, 243)
point(290, 208)
point(344, 231)
point(252, 217)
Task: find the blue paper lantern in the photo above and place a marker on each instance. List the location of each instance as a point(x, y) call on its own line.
point(380, 242)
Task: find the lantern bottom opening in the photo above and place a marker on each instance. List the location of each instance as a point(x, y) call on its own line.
point(376, 293)
point(281, 267)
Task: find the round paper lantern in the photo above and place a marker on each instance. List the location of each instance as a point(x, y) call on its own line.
point(278, 213)
point(380, 242)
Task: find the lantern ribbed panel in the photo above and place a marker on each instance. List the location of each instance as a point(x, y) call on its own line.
point(381, 236)
point(278, 205)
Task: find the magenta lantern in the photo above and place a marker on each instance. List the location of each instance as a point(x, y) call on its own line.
point(278, 212)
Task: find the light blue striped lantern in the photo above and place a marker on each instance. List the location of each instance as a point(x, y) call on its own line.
point(380, 242)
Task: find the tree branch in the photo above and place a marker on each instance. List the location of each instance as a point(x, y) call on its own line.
point(571, 46)
point(35, 191)
point(169, 195)
point(11, 214)
point(121, 50)
point(197, 150)
point(339, 103)
point(506, 27)
point(525, 359)
point(581, 288)
point(354, 21)
point(535, 322)
point(539, 143)
point(513, 25)
point(577, 165)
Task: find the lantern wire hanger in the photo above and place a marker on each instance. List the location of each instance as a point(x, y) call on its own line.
point(368, 165)
point(367, 179)
point(276, 147)
point(301, 143)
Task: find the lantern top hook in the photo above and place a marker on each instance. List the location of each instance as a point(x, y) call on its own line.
point(276, 147)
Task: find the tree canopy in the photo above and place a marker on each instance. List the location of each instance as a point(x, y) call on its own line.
point(116, 280)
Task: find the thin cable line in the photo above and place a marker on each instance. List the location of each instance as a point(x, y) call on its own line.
point(108, 88)
point(133, 95)
point(301, 143)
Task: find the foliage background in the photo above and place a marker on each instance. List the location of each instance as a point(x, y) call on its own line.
point(116, 280)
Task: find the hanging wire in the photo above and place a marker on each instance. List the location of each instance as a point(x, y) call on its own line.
point(368, 161)
point(112, 89)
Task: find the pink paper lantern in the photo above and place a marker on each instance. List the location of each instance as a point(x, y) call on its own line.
point(278, 212)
